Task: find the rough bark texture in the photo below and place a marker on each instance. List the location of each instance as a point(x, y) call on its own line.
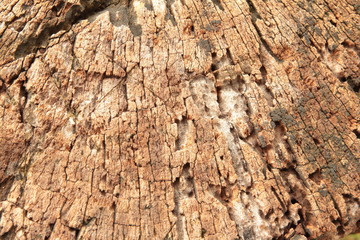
point(179, 119)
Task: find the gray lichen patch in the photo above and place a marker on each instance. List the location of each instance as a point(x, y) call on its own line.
point(119, 15)
point(122, 15)
point(205, 44)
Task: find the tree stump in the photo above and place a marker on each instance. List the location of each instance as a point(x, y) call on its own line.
point(179, 119)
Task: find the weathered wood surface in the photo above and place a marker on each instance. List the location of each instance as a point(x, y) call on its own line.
point(181, 119)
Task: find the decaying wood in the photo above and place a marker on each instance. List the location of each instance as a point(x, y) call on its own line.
point(179, 119)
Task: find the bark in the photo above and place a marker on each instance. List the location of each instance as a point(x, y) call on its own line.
point(181, 119)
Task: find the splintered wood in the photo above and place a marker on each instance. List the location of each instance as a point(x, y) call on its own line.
point(179, 119)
